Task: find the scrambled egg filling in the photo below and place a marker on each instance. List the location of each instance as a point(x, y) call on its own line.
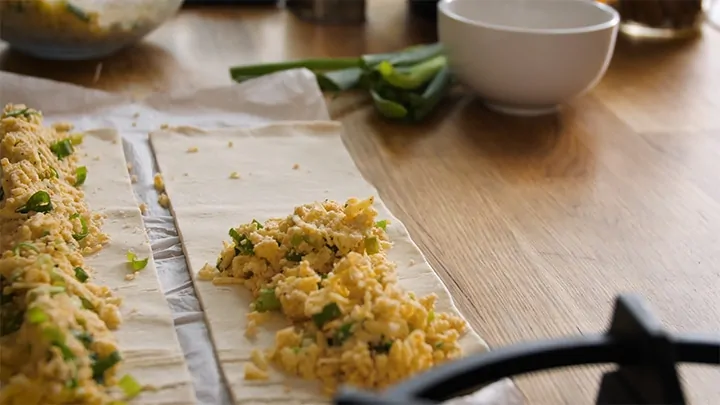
point(56, 340)
point(325, 268)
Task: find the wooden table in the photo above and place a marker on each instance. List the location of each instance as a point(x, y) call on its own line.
point(534, 224)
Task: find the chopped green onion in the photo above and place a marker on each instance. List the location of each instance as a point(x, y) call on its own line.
point(372, 245)
point(257, 224)
point(342, 334)
point(38, 202)
point(56, 289)
point(267, 301)
point(57, 339)
point(294, 257)
point(243, 246)
point(296, 240)
point(25, 112)
point(87, 304)
point(24, 245)
point(431, 316)
point(130, 386)
point(100, 366)
point(53, 172)
point(85, 338)
point(57, 279)
point(71, 383)
point(382, 347)
point(84, 232)
point(81, 274)
point(77, 138)
point(36, 315)
point(80, 176)
point(137, 264)
point(328, 313)
point(62, 149)
point(438, 345)
point(382, 224)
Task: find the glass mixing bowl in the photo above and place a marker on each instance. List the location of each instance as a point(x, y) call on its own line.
point(80, 29)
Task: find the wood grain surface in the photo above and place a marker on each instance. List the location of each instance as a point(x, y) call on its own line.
point(534, 224)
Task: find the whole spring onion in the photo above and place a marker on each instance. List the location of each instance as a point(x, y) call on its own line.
point(404, 86)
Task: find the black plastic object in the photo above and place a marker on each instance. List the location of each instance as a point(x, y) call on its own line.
point(646, 355)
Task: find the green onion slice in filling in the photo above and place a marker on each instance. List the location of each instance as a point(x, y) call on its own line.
point(38, 202)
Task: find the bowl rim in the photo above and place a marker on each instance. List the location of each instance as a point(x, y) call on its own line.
point(443, 7)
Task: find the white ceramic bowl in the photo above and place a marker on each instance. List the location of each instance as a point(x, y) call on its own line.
point(526, 57)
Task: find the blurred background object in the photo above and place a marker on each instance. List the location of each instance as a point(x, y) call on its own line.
point(328, 11)
point(80, 29)
point(660, 19)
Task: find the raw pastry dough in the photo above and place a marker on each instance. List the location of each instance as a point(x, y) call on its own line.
point(206, 203)
point(150, 348)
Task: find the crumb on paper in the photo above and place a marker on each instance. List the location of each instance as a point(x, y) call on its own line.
point(159, 183)
point(296, 166)
point(164, 200)
point(134, 179)
point(186, 174)
point(115, 141)
point(258, 359)
point(412, 262)
point(143, 208)
point(230, 144)
point(207, 272)
point(164, 126)
point(129, 167)
point(130, 277)
point(253, 372)
point(254, 319)
point(134, 124)
point(192, 149)
point(234, 175)
point(96, 158)
point(137, 114)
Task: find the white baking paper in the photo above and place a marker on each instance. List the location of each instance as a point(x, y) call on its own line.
point(287, 96)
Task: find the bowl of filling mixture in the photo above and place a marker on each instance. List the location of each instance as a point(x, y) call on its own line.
point(80, 29)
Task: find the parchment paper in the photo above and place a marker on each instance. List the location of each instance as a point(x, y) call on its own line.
point(286, 96)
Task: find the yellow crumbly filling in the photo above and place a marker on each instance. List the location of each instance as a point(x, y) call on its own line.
point(56, 344)
point(325, 268)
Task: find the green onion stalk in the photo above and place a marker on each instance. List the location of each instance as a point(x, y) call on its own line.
point(404, 86)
